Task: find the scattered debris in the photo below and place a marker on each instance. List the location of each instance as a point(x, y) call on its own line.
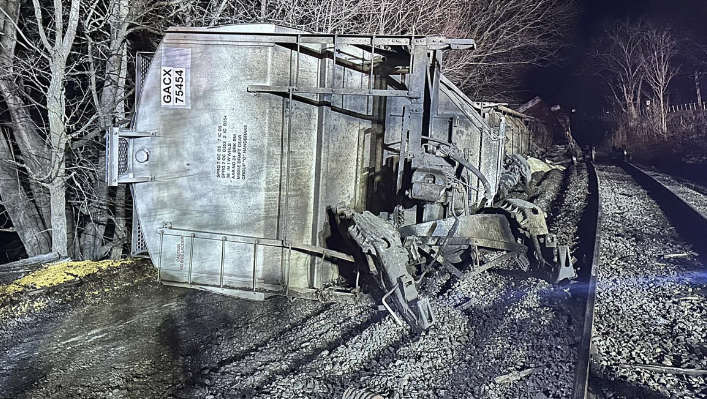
point(14, 270)
point(674, 256)
point(56, 274)
point(689, 298)
point(466, 305)
point(537, 165)
point(514, 376)
point(670, 370)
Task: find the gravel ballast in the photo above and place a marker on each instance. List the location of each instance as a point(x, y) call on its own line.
point(499, 334)
point(691, 193)
point(650, 326)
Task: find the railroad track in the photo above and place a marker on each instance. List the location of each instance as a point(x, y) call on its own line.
point(587, 277)
point(499, 334)
point(684, 206)
point(649, 335)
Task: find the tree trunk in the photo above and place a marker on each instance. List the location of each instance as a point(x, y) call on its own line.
point(32, 147)
point(663, 118)
point(92, 236)
point(60, 229)
point(697, 89)
point(29, 210)
point(25, 217)
point(33, 150)
point(57, 185)
point(638, 96)
point(120, 236)
point(58, 52)
point(58, 139)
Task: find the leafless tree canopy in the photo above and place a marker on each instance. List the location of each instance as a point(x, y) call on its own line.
point(619, 60)
point(510, 35)
point(635, 60)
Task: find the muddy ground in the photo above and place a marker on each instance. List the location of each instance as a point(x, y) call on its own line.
point(119, 333)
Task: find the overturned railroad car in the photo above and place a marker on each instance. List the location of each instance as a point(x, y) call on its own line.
point(270, 161)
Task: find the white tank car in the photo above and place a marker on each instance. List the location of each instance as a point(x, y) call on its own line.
point(269, 161)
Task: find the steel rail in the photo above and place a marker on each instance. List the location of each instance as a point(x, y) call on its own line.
point(690, 222)
point(588, 276)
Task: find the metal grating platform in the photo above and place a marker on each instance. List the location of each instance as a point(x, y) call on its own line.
point(122, 156)
point(138, 245)
point(142, 65)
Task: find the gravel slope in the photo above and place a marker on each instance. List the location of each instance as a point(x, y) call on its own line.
point(651, 308)
point(500, 334)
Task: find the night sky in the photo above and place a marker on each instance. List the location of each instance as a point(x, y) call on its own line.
point(565, 84)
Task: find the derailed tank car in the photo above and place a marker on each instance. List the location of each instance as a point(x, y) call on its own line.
point(269, 161)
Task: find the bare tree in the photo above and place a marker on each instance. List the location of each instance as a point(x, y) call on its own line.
point(660, 49)
point(619, 59)
point(696, 54)
point(54, 146)
point(629, 55)
point(511, 37)
point(57, 38)
point(106, 28)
